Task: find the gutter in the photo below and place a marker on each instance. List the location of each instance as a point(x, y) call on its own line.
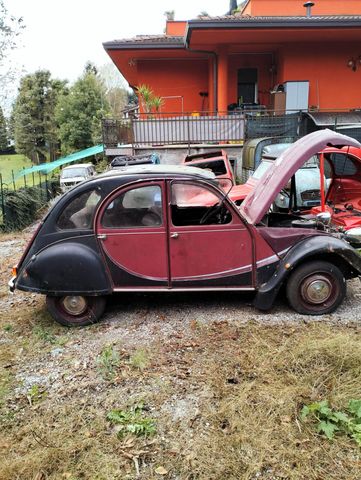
point(215, 66)
point(275, 22)
point(142, 46)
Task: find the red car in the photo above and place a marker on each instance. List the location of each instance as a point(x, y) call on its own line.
point(146, 228)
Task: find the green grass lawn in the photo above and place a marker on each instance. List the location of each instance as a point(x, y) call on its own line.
point(13, 162)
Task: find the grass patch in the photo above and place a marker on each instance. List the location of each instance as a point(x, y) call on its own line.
point(16, 163)
point(223, 402)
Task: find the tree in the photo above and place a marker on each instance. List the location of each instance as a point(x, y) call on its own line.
point(3, 132)
point(10, 29)
point(116, 90)
point(35, 128)
point(79, 113)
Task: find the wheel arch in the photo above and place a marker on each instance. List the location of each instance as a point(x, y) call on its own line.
point(322, 247)
point(65, 268)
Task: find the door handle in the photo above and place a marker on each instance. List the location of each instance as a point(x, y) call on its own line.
point(174, 235)
point(102, 236)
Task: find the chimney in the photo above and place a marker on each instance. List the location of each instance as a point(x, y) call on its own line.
point(308, 6)
point(232, 6)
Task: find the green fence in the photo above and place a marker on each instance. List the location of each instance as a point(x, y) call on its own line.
point(20, 204)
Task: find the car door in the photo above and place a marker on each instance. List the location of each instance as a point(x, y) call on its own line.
point(209, 244)
point(132, 230)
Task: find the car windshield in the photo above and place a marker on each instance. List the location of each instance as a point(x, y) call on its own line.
point(73, 172)
point(262, 169)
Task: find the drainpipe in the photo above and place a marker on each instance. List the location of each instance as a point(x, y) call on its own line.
point(215, 72)
point(308, 6)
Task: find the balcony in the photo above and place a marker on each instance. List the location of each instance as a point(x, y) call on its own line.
point(189, 130)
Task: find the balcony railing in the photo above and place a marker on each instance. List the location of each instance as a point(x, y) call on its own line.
point(187, 129)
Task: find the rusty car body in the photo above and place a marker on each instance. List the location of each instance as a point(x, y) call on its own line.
point(153, 228)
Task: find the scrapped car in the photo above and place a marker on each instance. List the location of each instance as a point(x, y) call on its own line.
point(306, 179)
point(148, 228)
point(125, 160)
point(74, 174)
point(341, 169)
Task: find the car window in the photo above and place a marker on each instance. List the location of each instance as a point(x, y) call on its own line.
point(342, 164)
point(138, 207)
point(79, 213)
point(73, 172)
point(196, 205)
point(261, 169)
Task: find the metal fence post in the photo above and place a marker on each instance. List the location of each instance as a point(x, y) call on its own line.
point(188, 135)
point(40, 186)
point(2, 198)
point(46, 187)
point(24, 178)
point(12, 174)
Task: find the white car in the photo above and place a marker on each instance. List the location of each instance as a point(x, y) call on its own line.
point(75, 174)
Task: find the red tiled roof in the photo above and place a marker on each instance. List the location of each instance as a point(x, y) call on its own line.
point(248, 18)
point(142, 40)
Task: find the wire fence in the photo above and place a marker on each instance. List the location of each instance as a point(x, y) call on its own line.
point(21, 200)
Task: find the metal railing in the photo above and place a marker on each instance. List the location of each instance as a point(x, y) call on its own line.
point(189, 129)
point(20, 200)
point(158, 129)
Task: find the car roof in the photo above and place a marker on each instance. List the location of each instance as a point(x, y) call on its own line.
point(158, 170)
point(77, 165)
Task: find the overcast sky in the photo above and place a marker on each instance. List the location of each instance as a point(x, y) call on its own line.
point(61, 35)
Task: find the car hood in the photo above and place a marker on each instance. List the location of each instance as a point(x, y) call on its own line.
point(257, 203)
point(72, 179)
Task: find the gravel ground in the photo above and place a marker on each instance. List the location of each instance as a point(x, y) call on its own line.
point(138, 320)
point(63, 364)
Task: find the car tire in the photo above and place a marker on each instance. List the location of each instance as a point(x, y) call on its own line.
point(316, 288)
point(75, 310)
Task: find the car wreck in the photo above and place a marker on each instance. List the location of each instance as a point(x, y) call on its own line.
point(173, 228)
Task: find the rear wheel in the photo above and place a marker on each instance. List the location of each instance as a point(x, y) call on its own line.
point(316, 288)
point(76, 310)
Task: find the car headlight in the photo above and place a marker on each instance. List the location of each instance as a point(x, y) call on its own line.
point(354, 233)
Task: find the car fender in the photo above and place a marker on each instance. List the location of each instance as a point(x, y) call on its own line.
point(65, 268)
point(320, 246)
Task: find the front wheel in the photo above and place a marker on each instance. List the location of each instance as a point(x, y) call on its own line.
point(75, 310)
point(316, 288)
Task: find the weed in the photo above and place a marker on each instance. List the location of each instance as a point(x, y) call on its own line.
point(132, 421)
point(36, 394)
point(108, 362)
point(329, 421)
point(140, 359)
point(44, 334)
point(5, 381)
point(8, 328)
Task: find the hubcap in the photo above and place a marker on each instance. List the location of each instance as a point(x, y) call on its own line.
point(74, 304)
point(317, 290)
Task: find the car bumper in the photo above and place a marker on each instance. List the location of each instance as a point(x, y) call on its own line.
point(11, 284)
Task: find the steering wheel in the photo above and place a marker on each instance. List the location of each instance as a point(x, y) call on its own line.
point(212, 210)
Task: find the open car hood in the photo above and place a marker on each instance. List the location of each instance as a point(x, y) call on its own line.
point(257, 203)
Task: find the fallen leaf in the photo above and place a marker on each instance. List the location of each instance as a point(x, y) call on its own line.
point(161, 471)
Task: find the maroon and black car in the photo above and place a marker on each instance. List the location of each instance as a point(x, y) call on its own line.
point(161, 227)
